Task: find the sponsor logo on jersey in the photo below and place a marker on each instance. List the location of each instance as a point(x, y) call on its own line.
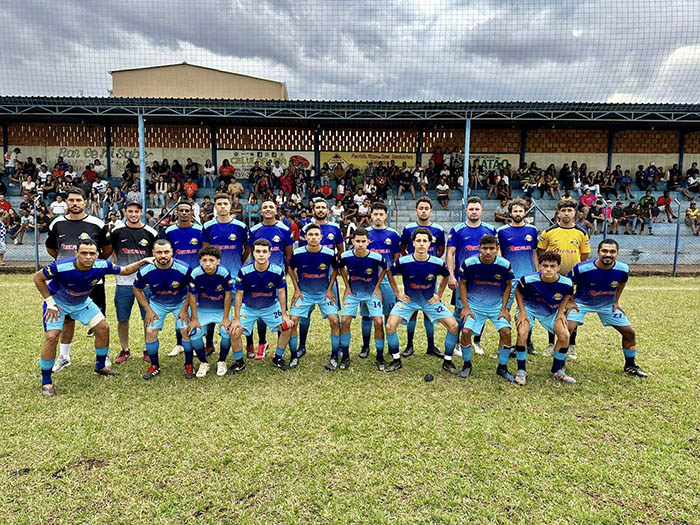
point(219, 288)
point(614, 284)
point(331, 236)
point(270, 285)
point(83, 236)
point(94, 282)
point(497, 276)
point(528, 237)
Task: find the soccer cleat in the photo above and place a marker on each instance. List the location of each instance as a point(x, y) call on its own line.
point(262, 349)
point(177, 350)
point(521, 377)
point(203, 369)
point(293, 362)
point(332, 365)
point(571, 353)
point(503, 372)
point(466, 371)
point(146, 357)
point(108, 361)
point(152, 372)
point(635, 371)
point(380, 364)
point(477, 348)
point(364, 353)
point(549, 349)
point(408, 351)
point(106, 371)
point(60, 364)
point(344, 362)
point(394, 365)
point(209, 350)
point(531, 349)
point(433, 350)
point(47, 390)
point(123, 356)
point(279, 362)
point(221, 368)
point(238, 366)
point(301, 352)
point(560, 375)
point(250, 352)
point(189, 372)
point(449, 366)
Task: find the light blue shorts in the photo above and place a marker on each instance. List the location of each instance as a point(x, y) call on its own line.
point(547, 321)
point(372, 305)
point(271, 316)
point(207, 317)
point(434, 312)
point(388, 299)
point(83, 312)
point(605, 314)
point(477, 323)
point(511, 299)
point(162, 311)
point(304, 307)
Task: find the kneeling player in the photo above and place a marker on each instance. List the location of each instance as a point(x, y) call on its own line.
point(485, 281)
point(211, 288)
point(68, 293)
point(599, 285)
point(543, 296)
point(420, 272)
point(261, 294)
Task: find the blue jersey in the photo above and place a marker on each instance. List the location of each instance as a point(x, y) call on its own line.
point(260, 288)
point(465, 240)
point(420, 277)
point(72, 286)
point(363, 272)
point(543, 298)
point(517, 245)
point(186, 243)
point(168, 286)
point(486, 283)
point(279, 236)
point(438, 240)
point(210, 290)
point(313, 269)
point(595, 287)
point(331, 235)
point(385, 242)
point(230, 238)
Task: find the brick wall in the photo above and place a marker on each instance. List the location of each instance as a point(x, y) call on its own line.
point(692, 142)
point(567, 141)
point(647, 141)
point(56, 135)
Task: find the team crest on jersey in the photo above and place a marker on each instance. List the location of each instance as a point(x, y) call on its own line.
point(243, 316)
point(430, 277)
point(614, 284)
point(270, 285)
point(232, 237)
point(387, 241)
point(574, 242)
point(83, 236)
point(276, 238)
point(558, 296)
point(94, 282)
point(219, 288)
point(174, 284)
point(368, 271)
point(194, 241)
point(528, 237)
point(322, 266)
point(497, 276)
point(143, 242)
point(331, 236)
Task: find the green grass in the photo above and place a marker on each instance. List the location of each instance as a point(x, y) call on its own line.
point(358, 445)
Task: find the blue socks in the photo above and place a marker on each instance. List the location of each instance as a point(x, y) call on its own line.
point(450, 343)
point(304, 324)
point(279, 352)
point(238, 355)
point(262, 332)
point(503, 355)
point(335, 346)
point(345, 344)
point(293, 346)
point(198, 346)
point(521, 356)
point(152, 350)
point(429, 331)
point(467, 355)
point(559, 360)
point(101, 356)
point(366, 331)
point(379, 345)
point(630, 354)
point(410, 331)
point(393, 342)
point(187, 345)
point(46, 366)
point(224, 347)
point(178, 336)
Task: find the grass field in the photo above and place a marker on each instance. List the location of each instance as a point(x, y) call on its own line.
point(358, 446)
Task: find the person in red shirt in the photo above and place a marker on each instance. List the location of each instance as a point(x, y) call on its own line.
point(437, 158)
point(90, 174)
point(191, 187)
point(326, 189)
point(4, 204)
point(664, 203)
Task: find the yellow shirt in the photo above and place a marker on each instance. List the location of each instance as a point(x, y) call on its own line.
point(570, 243)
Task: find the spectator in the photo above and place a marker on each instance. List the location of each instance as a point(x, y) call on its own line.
point(236, 207)
point(3, 235)
point(161, 193)
point(644, 215)
point(235, 188)
point(608, 185)
point(443, 193)
point(423, 183)
point(151, 218)
point(27, 204)
point(363, 213)
point(58, 207)
point(664, 203)
point(70, 172)
point(208, 208)
point(618, 217)
point(587, 199)
point(190, 187)
point(596, 216)
point(26, 225)
point(491, 181)
point(48, 189)
point(405, 184)
point(437, 158)
point(94, 202)
point(11, 162)
point(100, 185)
point(28, 186)
point(114, 221)
point(89, 176)
point(134, 194)
point(97, 166)
point(501, 213)
point(640, 178)
point(209, 172)
point(226, 172)
point(349, 228)
point(692, 218)
point(252, 210)
point(693, 186)
point(4, 203)
point(675, 179)
point(337, 210)
point(626, 185)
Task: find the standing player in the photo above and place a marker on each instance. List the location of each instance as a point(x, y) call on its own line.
point(313, 269)
point(420, 272)
point(571, 242)
point(462, 243)
point(543, 296)
point(130, 242)
point(168, 281)
point(518, 243)
point(68, 293)
point(64, 233)
point(599, 285)
point(424, 209)
point(281, 241)
point(261, 294)
point(484, 287)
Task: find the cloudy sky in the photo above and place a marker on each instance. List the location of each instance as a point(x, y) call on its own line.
point(533, 50)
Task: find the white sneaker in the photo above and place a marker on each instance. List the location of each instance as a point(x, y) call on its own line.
point(477, 348)
point(61, 362)
point(177, 349)
point(571, 353)
point(221, 368)
point(108, 361)
point(203, 369)
point(549, 350)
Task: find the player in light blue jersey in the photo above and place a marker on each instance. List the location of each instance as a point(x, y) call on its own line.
point(424, 209)
point(65, 285)
point(599, 285)
point(543, 296)
point(261, 294)
point(313, 269)
point(484, 286)
point(420, 273)
point(211, 289)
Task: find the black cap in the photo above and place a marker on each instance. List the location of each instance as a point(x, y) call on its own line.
point(134, 202)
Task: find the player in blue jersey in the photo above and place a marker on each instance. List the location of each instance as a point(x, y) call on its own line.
point(261, 293)
point(313, 269)
point(67, 292)
point(211, 289)
point(543, 296)
point(518, 244)
point(168, 283)
point(420, 272)
point(485, 281)
point(424, 209)
point(462, 243)
point(599, 285)
point(281, 242)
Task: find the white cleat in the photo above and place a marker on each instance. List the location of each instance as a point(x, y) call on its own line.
point(571, 353)
point(203, 369)
point(177, 350)
point(61, 362)
point(221, 368)
point(108, 361)
point(549, 350)
point(477, 348)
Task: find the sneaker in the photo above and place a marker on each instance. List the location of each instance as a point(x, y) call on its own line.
point(177, 350)
point(394, 365)
point(503, 372)
point(560, 375)
point(521, 377)
point(408, 352)
point(237, 366)
point(345, 362)
point(47, 390)
point(571, 353)
point(364, 353)
point(301, 352)
point(189, 372)
point(466, 372)
point(635, 371)
point(531, 349)
point(123, 356)
point(250, 352)
point(262, 350)
point(278, 362)
point(146, 357)
point(477, 348)
point(293, 362)
point(332, 365)
point(549, 350)
point(152, 372)
point(209, 350)
point(380, 364)
point(106, 371)
point(108, 361)
point(221, 368)
point(61, 363)
point(449, 366)
point(203, 369)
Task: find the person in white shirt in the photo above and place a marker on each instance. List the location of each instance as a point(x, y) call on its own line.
point(370, 187)
point(340, 193)
point(58, 207)
point(43, 173)
point(100, 185)
point(359, 197)
point(337, 211)
point(98, 168)
point(277, 172)
point(11, 161)
point(447, 157)
point(209, 172)
point(28, 186)
point(70, 172)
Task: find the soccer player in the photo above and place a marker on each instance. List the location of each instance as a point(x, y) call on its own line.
point(62, 240)
point(363, 271)
point(168, 281)
point(261, 293)
point(485, 281)
point(313, 269)
point(67, 292)
point(599, 285)
point(211, 291)
point(420, 272)
point(518, 243)
point(543, 296)
point(130, 242)
point(281, 241)
point(462, 243)
point(424, 209)
point(571, 242)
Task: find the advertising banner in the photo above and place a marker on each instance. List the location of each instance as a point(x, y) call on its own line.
point(244, 159)
point(360, 158)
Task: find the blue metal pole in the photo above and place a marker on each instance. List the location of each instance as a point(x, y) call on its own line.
point(108, 149)
point(36, 236)
point(212, 137)
point(465, 182)
point(419, 148)
point(681, 152)
point(605, 220)
point(523, 147)
point(317, 150)
point(142, 165)
point(611, 146)
point(5, 140)
point(678, 238)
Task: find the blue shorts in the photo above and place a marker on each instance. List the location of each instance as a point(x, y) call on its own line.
point(83, 312)
point(388, 299)
point(511, 299)
point(605, 314)
point(547, 321)
point(434, 312)
point(162, 311)
point(271, 316)
point(304, 307)
point(124, 301)
point(477, 323)
point(207, 317)
point(372, 305)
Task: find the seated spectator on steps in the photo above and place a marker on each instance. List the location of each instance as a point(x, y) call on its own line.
point(501, 213)
point(443, 193)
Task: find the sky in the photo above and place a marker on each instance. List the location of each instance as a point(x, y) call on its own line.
point(405, 50)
